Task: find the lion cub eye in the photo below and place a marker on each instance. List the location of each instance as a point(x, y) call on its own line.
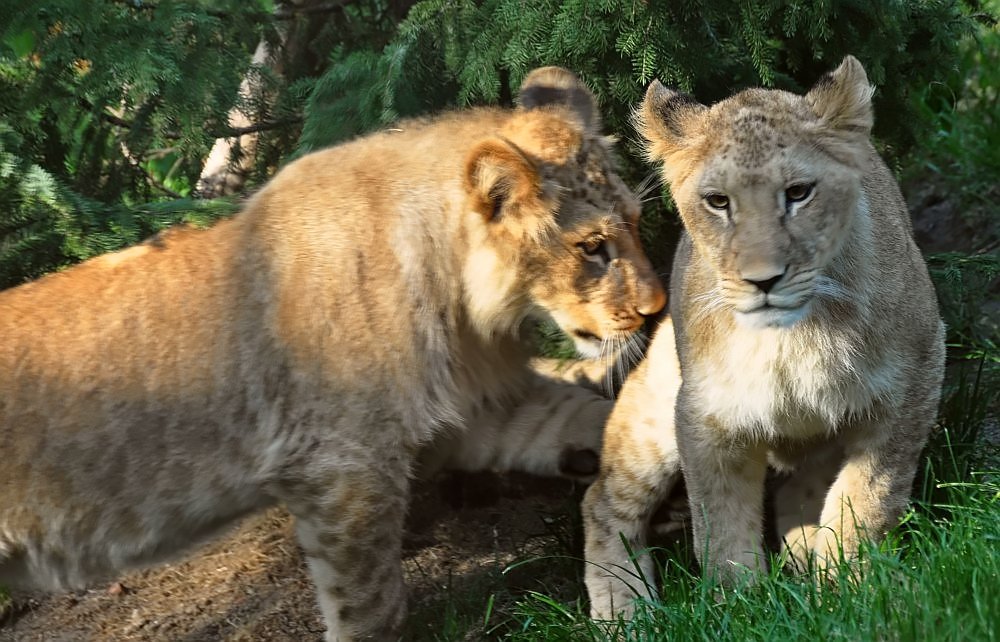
point(595, 249)
point(717, 201)
point(798, 192)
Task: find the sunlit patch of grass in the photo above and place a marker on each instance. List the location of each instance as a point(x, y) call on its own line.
point(939, 586)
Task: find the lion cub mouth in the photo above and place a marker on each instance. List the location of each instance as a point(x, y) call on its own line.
point(587, 343)
point(591, 345)
point(772, 316)
point(586, 336)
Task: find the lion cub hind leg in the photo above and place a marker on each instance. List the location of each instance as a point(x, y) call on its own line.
point(350, 525)
point(639, 466)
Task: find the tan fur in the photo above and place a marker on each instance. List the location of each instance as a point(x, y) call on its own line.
point(366, 301)
point(849, 350)
point(555, 428)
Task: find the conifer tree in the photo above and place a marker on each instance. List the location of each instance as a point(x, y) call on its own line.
point(108, 108)
point(460, 52)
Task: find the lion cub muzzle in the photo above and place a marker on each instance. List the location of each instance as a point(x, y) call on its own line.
point(648, 299)
point(626, 292)
point(773, 298)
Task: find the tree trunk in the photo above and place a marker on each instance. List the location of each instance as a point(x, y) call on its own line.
point(228, 164)
point(230, 161)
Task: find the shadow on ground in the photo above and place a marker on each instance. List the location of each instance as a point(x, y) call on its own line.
point(463, 531)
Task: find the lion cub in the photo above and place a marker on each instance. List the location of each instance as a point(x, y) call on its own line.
point(365, 302)
point(803, 313)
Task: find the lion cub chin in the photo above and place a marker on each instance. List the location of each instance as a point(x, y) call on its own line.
point(365, 306)
point(803, 317)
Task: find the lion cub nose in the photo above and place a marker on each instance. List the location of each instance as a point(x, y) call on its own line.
point(765, 282)
point(652, 300)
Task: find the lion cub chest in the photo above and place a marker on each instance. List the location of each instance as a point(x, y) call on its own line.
point(790, 383)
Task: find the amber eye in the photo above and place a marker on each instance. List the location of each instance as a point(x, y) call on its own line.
point(592, 246)
point(595, 249)
point(798, 192)
point(717, 201)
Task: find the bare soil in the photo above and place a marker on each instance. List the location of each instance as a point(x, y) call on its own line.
point(463, 531)
point(475, 543)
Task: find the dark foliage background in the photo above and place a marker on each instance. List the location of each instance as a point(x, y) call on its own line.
point(109, 108)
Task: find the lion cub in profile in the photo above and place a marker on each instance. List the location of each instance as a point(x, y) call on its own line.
point(803, 313)
point(365, 303)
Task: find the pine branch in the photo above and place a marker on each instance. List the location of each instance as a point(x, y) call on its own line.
point(286, 12)
point(225, 132)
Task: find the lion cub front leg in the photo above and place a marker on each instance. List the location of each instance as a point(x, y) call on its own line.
point(639, 467)
point(349, 522)
point(867, 498)
point(725, 484)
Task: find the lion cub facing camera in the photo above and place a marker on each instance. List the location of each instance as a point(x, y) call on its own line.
point(366, 302)
point(803, 314)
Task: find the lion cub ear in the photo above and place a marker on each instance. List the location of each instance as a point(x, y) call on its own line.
point(668, 120)
point(842, 99)
point(557, 86)
point(499, 177)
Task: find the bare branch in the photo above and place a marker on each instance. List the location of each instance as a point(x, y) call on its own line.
point(231, 132)
point(160, 186)
point(286, 11)
point(114, 120)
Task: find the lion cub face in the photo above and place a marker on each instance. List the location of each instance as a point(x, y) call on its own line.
point(558, 220)
point(767, 183)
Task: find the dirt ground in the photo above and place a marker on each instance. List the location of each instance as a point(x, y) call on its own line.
point(253, 585)
point(464, 533)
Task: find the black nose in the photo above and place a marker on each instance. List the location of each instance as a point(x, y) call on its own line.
point(765, 285)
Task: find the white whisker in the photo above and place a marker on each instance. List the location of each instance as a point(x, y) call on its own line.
point(607, 357)
point(710, 302)
point(634, 349)
point(619, 365)
point(647, 185)
point(825, 287)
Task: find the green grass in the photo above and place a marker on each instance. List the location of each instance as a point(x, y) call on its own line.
point(934, 578)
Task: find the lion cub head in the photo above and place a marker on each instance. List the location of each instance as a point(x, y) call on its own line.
point(767, 184)
point(556, 227)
